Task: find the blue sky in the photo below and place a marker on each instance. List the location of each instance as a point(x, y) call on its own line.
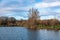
point(19, 8)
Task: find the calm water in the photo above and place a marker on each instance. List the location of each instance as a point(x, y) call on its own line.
point(19, 33)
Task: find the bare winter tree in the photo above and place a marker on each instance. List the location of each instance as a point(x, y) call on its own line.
point(33, 14)
point(33, 17)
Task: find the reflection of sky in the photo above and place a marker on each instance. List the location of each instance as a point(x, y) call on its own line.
point(20, 33)
point(13, 33)
point(19, 8)
point(49, 35)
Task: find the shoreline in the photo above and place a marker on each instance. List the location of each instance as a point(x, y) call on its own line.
point(35, 28)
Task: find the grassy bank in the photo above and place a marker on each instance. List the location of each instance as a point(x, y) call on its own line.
point(56, 27)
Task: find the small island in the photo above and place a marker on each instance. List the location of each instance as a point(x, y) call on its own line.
point(33, 21)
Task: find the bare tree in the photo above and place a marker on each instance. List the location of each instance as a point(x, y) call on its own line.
point(33, 17)
point(33, 14)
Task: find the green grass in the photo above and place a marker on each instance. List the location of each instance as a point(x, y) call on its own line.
point(49, 27)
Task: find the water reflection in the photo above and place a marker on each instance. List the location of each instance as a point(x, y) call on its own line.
point(32, 34)
point(13, 33)
point(19, 33)
point(49, 35)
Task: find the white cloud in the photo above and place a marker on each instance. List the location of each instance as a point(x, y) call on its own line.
point(50, 0)
point(45, 4)
point(42, 6)
point(57, 11)
point(47, 17)
point(47, 8)
point(16, 2)
point(10, 9)
point(20, 17)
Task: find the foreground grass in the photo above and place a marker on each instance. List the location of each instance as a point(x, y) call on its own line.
point(56, 27)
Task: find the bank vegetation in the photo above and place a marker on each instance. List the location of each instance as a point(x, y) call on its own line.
point(33, 22)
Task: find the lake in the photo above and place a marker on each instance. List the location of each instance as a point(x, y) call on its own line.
point(21, 33)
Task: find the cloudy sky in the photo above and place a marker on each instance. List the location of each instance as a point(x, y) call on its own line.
point(19, 8)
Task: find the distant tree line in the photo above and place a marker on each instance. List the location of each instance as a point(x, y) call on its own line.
point(32, 22)
point(5, 21)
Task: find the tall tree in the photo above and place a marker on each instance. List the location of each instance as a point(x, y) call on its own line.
point(33, 17)
point(33, 14)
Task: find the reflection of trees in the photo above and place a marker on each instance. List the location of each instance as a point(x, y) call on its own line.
point(32, 34)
